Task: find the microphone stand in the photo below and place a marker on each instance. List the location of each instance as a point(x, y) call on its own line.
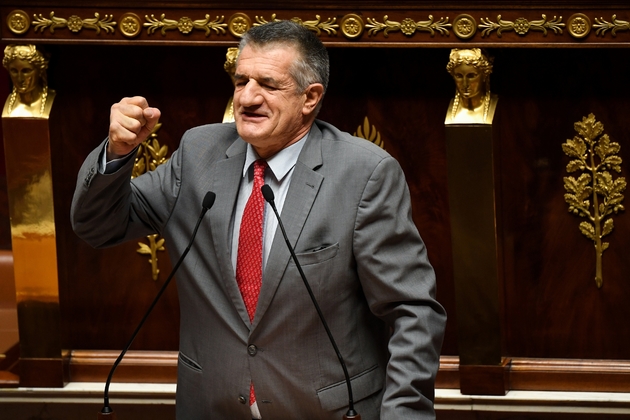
point(351, 414)
point(106, 412)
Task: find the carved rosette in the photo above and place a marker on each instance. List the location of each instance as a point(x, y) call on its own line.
point(464, 26)
point(238, 24)
point(351, 26)
point(579, 25)
point(18, 22)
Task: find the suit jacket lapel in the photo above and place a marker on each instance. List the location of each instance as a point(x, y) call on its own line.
point(305, 184)
point(227, 177)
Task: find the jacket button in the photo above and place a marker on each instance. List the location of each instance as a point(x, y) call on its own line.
point(241, 399)
point(252, 350)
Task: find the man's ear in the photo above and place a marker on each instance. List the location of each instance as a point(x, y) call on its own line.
point(313, 95)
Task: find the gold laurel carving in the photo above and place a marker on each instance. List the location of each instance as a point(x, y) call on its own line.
point(329, 25)
point(408, 26)
point(130, 25)
point(464, 26)
point(594, 154)
point(370, 133)
point(616, 25)
point(521, 25)
point(74, 23)
point(149, 156)
point(184, 25)
point(351, 26)
point(238, 24)
point(18, 22)
point(579, 25)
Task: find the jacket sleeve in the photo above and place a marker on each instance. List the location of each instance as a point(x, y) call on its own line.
point(399, 284)
point(108, 209)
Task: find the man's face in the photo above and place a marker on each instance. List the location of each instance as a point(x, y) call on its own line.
point(468, 80)
point(269, 112)
point(23, 75)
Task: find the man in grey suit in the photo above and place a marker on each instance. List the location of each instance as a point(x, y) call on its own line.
point(346, 208)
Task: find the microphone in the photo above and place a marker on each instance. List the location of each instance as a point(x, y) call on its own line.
point(350, 414)
point(106, 412)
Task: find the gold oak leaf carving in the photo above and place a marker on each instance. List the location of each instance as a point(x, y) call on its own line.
point(616, 25)
point(74, 23)
point(408, 26)
point(369, 133)
point(521, 25)
point(594, 155)
point(149, 156)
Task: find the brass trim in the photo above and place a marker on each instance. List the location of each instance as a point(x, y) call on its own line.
point(184, 25)
point(329, 26)
point(74, 23)
point(579, 25)
point(616, 25)
point(18, 22)
point(352, 26)
point(238, 24)
point(594, 154)
point(521, 25)
point(130, 25)
point(408, 26)
point(464, 26)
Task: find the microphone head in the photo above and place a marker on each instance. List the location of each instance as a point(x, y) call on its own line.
point(208, 200)
point(267, 193)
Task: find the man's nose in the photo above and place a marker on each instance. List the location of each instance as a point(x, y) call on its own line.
point(250, 95)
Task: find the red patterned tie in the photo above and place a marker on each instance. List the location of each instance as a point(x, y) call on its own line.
point(250, 248)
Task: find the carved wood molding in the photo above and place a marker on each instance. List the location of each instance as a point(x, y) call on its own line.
point(495, 26)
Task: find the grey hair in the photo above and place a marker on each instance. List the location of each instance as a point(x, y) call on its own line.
point(312, 65)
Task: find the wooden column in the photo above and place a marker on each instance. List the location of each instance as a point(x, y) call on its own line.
point(29, 180)
point(475, 259)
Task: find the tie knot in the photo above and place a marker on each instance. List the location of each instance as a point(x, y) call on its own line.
point(259, 169)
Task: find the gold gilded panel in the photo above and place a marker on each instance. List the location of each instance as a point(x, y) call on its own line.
point(521, 25)
point(615, 25)
point(74, 23)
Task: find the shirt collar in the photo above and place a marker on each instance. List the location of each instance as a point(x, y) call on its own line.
point(280, 163)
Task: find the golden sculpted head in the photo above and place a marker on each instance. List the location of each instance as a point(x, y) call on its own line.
point(470, 69)
point(230, 61)
point(27, 68)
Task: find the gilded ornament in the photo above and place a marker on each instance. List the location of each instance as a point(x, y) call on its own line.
point(351, 26)
point(130, 25)
point(329, 26)
point(594, 155)
point(408, 26)
point(464, 26)
point(616, 25)
point(184, 25)
point(74, 23)
point(521, 25)
point(149, 156)
point(18, 22)
point(238, 24)
point(369, 133)
point(579, 25)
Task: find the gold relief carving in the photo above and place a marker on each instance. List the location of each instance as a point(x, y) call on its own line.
point(185, 25)
point(130, 25)
point(579, 25)
point(150, 155)
point(238, 24)
point(616, 25)
point(74, 23)
point(408, 26)
point(317, 26)
point(521, 25)
point(594, 154)
point(464, 26)
point(18, 22)
point(152, 249)
point(351, 26)
point(369, 133)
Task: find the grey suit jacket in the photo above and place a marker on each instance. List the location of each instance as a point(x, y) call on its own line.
point(348, 215)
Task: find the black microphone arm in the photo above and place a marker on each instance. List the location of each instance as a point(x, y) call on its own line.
point(208, 202)
point(269, 197)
